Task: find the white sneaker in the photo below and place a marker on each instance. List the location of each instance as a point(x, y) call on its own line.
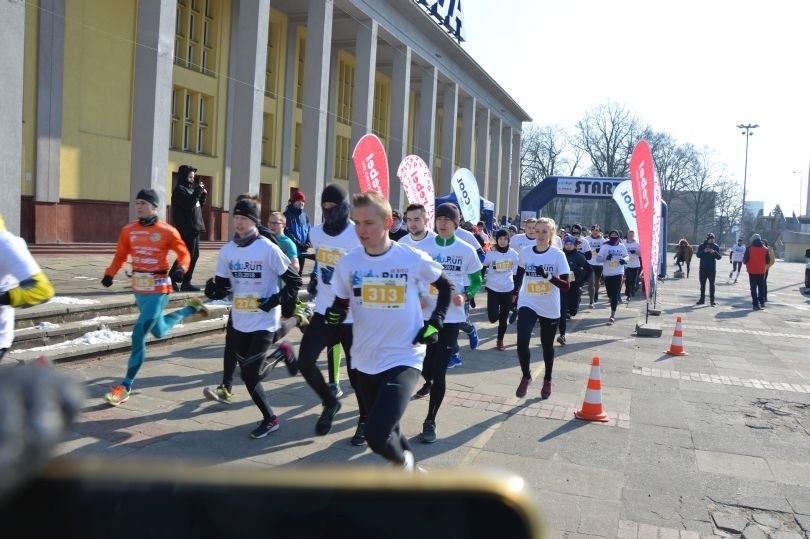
point(410, 461)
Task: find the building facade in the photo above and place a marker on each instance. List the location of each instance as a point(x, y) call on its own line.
point(263, 96)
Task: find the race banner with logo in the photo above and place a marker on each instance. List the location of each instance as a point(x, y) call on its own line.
point(623, 196)
point(469, 199)
point(371, 164)
point(417, 182)
point(647, 198)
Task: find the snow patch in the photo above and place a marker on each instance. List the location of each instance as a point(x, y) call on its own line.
point(101, 336)
point(67, 300)
point(46, 325)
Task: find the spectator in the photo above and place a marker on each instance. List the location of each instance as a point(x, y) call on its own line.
point(709, 254)
point(756, 261)
point(683, 255)
point(297, 228)
point(188, 197)
point(396, 232)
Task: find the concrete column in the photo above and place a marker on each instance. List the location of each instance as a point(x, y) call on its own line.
point(449, 119)
point(316, 100)
point(426, 126)
point(481, 169)
point(331, 119)
point(506, 155)
point(467, 134)
point(365, 56)
point(495, 164)
point(152, 100)
point(251, 21)
point(12, 41)
point(288, 119)
point(398, 137)
point(50, 70)
point(514, 202)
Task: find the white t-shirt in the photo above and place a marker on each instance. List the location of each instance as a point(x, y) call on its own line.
point(458, 260)
point(519, 241)
point(419, 244)
point(634, 253)
point(16, 264)
point(384, 297)
point(536, 292)
point(557, 242)
point(468, 237)
point(584, 245)
point(502, 269)
point(737, 253)
point(596, 244)
point(328, 251)
point(612, 267)
point(253, 271)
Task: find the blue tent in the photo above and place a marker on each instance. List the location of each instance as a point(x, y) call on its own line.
point(487, 208)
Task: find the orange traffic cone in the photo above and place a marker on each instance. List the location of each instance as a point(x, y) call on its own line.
point(676, 348)
point(592, 405)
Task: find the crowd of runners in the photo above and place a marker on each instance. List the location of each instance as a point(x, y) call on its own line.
point(388, 294)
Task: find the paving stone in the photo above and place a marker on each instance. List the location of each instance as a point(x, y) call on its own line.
point(730, 523)
point(766, 519)
point(752, 531)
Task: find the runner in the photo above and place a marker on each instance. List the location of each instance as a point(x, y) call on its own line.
point(580, 273)
point(613, 255)
point(418, 234)
point(22, 283)
point(596, 240)
point(249, 267)
point(520, 241)
point(633, 267)
point(735, 257)
point(543, 266)
point(381, 283)
point(462, 267)
point(148, 242)
point(331, 240)
point(300, 317)
point(502, 263)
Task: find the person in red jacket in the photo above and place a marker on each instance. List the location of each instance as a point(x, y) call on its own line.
point(756, 260)
point(148, 242)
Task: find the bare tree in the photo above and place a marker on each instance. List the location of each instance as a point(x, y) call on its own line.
point(607, 135)
point(671, 162)
point(728, 208)
point(699, 192)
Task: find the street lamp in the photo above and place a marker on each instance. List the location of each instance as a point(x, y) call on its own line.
point(799, 172)
point(748, 130)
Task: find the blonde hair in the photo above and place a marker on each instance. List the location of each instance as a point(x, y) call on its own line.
point(374, 199)
point(280, 216)
point(552, 227)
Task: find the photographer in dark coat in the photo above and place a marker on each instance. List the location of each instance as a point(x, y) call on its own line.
point(188, 198)
point(709, 254)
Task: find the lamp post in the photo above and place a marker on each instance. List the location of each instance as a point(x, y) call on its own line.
point(799, 172)
point(748, 130)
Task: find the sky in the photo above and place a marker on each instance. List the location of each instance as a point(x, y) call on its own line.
point(694, 69)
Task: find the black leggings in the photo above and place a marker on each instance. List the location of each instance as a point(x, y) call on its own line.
point(526, 320)
point(229, 357)
point(318, 336)
point(387, 394)
point(705, 274)
point(498, 306)
point(593, 283)
point(613, 285)
point(569, 303)
point(631, 281)
point(435, 367)
point(250, 349)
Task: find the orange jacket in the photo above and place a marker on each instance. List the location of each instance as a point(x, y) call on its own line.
point(149, 247)
point(756, 259)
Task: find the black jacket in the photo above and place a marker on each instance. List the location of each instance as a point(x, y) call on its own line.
point(186, 212)
point(579, 265)
point(708, 260)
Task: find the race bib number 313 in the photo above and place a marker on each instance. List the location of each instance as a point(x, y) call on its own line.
point(383, 293)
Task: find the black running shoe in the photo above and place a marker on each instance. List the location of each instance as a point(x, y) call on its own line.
point(324, 424)
point(428, 431)
point(359, 437)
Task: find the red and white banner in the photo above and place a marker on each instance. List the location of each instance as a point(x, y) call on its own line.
point(647, 200)
point(371, 164)
point(417, 182)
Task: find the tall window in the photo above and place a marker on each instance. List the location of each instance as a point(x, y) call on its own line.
point(342, 157)
point(381, 114)
point(195, 35)
point(297, 147)
point(299, 89)
point(345, 90)
point(268, 140)
point(271, 74)
point(191, 128)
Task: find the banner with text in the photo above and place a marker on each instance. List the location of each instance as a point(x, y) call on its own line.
point(371, 165)
point(417, 182)
point(623, 196)
point(469, 199)
point(647, 197)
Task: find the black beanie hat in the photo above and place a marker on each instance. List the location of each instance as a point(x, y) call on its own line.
point(149, 195)
point(334, 193)
point(247, 208)
point(449, 210)
point(501, 232)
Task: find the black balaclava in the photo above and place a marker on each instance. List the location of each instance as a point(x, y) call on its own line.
point(501, 233)
point(335, 219)
point(612, 240)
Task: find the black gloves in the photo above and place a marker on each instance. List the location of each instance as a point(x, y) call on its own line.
point(177, 274)
point(107, 281)
point(622, 261)
point(541, 272)
point(267, 304)
point(312, 285)
point(429, 334)
point(609, 256)
point(336, 314)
